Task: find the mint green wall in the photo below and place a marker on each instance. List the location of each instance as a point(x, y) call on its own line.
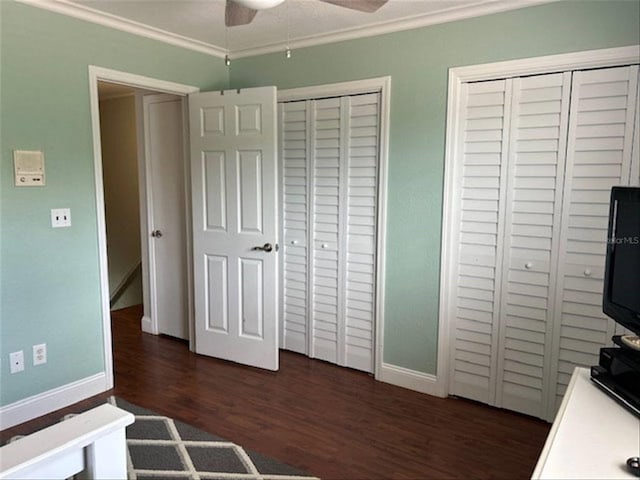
point(418, 62)
point(49, 278)
point(49, 284)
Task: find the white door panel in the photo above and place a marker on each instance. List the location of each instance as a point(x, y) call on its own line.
point(165, 153)
point(233, 158)
point(536, 153)
point(596, 161)
point(483, 179)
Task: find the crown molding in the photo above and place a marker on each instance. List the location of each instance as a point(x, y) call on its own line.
point(418, 21)
point(82, 12)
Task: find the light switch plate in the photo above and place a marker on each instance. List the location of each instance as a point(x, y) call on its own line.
point(60, 217)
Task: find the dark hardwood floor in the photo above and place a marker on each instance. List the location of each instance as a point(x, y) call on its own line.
point(332, 422)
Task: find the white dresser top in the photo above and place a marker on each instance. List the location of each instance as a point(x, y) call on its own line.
point(591, 437)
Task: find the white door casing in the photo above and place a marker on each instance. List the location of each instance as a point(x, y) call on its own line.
point(96, 74)
point(234, 200)
point(166, 227)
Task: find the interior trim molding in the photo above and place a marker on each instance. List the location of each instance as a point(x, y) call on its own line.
point(411, 379)
point(391, 26)
point(451, 201)
point(146, 325)
point(52, 400)
point(354, 87)
point(92, 15)
point(137, 81)
point(453, 14)
point(606, 57)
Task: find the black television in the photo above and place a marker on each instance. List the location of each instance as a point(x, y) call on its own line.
point(621, 296)
point(618, 369)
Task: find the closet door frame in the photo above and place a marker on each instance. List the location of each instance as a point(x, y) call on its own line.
point(451, 205)
point(381, 85)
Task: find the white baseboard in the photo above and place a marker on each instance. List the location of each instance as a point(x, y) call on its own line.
point(411, 379)
point(51, 400)
point(146, 325)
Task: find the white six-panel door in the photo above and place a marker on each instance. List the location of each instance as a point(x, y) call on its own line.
point(235, 225)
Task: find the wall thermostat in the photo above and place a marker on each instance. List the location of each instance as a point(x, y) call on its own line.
point(28, 167)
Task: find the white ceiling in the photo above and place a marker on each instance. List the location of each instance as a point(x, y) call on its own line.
point(200, 24)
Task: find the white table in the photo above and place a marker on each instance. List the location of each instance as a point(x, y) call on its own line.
point(92, 443)
point(591, 437)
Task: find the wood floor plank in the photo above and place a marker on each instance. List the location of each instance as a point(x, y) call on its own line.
point(330, 421)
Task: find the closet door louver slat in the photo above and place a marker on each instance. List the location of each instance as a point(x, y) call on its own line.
point(601, 126)
point(540, 109)
point(295, 197)
point(483, 186)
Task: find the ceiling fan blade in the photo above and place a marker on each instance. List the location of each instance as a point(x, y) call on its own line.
point(368, 6)
point(236, 14)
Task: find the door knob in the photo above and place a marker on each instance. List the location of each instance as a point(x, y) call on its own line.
point(156, 234)
point(267, 247)
point(528, 265)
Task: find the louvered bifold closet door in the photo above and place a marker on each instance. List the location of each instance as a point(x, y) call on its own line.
point(482, 146)
point(599, 150)
point(330, 151)
point(537, 146)
point(295, 195)
point(360, 228)
point(327, 326)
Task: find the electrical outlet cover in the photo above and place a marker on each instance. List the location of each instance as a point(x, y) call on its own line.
point(39, 354)
point(60, 217)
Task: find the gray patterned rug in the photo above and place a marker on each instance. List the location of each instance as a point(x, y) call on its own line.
point(160, 447)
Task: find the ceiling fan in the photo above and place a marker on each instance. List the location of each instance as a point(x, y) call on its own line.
point(241, 12)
